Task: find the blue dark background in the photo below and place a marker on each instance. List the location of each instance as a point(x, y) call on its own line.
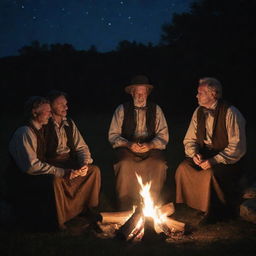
point(84, 23)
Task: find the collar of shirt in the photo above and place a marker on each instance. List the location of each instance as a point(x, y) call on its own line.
point(214, 105)
point(36, 125)
point(140, 108)
point(211, 110)
point(63, 122)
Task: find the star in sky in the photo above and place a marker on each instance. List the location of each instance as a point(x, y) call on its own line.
point(83, 23)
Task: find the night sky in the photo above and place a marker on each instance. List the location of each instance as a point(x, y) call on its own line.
point(83, 23)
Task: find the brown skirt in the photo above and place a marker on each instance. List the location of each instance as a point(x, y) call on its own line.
point(46, 200)
point(73, 196)
point(151, 166)
point(196, 187)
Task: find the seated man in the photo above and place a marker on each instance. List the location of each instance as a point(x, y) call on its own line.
point(214, 144)
point(65, 148)
point(139, 135)
point(38, 187)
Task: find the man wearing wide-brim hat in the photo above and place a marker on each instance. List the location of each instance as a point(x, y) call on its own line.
point(139, 135)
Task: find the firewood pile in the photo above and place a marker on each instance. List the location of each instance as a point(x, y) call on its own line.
point(134, 226)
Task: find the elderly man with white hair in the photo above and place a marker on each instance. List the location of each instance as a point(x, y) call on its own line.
point(139, 135)
point(215, 143)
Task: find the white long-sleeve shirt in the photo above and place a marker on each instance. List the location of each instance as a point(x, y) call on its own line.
point(235, 125)
point(161, 129)
point(23, 149)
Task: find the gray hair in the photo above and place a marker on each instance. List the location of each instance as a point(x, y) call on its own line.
point(32, 104)
point(213, 84)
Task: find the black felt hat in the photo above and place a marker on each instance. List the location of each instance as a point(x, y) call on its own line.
point(139, 80)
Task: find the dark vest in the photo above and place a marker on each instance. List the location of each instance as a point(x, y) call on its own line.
point(51, 139)
point(129, 122)
point(41, 147)
point(219, 135)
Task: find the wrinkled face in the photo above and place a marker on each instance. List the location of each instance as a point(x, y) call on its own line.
point(205, 96)
point(59, 107)
point(140, 94)
point(42, 114)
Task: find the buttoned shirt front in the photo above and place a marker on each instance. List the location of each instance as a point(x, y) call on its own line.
point(161, 129)
point(81, 148)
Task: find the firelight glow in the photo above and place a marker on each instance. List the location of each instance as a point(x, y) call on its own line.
point(149, 209)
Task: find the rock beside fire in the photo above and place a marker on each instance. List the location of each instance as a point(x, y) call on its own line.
point(248, 210)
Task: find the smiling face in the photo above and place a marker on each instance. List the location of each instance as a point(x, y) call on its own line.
point(205, 96)
point(59, 108)
point(139, 94)
point(42, 114)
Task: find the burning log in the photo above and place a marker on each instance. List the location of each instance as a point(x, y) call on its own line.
point(116, 217)
point(146, 221)
point(169, 226)
point(174, 224)
point(133, 227)
point(167, 209)
point(150, 233)
point(123, 216)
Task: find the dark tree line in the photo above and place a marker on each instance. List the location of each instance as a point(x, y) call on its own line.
point(216, 38)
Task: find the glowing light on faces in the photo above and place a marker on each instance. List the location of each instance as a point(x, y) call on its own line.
point(139, 94)
point(59, 107)
point(205, 96)
point(42, 114)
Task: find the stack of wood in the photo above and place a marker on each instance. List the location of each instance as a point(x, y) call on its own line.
point(134, 224)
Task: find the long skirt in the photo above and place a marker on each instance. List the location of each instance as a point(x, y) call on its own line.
point(74, 196)
point(46, 201)
point(200, 188)
point(151, 166)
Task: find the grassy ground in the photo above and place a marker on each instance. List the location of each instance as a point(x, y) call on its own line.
point(235, 237)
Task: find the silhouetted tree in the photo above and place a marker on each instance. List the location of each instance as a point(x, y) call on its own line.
point(217, 38)
point(93, 49)
point(62, 49)
point(33, 49)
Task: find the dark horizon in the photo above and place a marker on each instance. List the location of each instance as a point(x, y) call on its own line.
point(84, 24)
point(214, 39)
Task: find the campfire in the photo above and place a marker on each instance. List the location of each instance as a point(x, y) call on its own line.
point(144, 219)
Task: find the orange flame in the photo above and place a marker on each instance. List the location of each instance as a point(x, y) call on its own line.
point(149, 209)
